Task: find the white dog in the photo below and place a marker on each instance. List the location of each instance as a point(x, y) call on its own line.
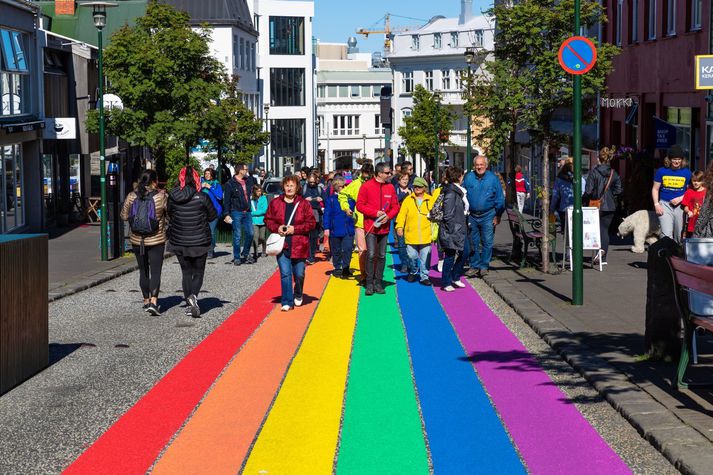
point(645, 226)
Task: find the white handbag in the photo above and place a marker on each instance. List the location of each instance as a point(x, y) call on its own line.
point(275, 243)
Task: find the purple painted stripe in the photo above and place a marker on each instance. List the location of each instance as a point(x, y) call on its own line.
point(551, 434)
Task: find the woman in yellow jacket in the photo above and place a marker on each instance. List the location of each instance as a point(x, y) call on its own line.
point(412, 223)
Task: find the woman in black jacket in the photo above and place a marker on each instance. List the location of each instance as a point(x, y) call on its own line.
point(452, 231)
point(604, 183)
point(189, 237)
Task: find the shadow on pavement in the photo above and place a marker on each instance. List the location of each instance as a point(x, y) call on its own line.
point(59, 351)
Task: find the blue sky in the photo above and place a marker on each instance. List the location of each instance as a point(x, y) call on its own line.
point(337, 20)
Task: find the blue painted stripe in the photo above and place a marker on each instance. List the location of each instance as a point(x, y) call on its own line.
point(464, 432)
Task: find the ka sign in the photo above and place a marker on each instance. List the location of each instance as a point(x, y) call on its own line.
point(704, 72)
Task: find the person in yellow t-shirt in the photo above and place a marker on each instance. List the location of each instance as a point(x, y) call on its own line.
point(413, 225)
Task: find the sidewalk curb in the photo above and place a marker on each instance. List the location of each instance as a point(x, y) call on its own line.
point(95, 280)
point(687, 449)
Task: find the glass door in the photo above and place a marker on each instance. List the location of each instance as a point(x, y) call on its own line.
point(48, 185)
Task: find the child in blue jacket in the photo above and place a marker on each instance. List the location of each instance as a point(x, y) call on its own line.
point(339, 228)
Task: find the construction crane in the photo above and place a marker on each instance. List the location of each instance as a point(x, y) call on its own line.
point(388, 32)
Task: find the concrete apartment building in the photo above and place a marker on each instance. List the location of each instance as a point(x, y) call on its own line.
point(286, 75)
point(433, 56)
point(348, 106)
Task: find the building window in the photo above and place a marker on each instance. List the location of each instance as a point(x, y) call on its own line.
point(321, 92)
point(454, 39)
point(287, 35)
point(320, 125)
point(287, 138)
point(429, 80)
point(253, 54)
point(459, 80)
point(331, 91)
point(365, 91)
point(345, 125)
point(478, 38)
point(696, 14)
point(242, 54)
point(651, 19)
point(287, 86)
point(437, 41)
point(12, 196)
point(406, 113)
point(356, 91)
point(343, 91)
point(407, 82)
point(415, 42)
point(446, 79)
point(378, 126)
point(634, 21)
point(670, 12)
point(236, 52)
point(619, 8)
point(256, 22)
point(12, 46)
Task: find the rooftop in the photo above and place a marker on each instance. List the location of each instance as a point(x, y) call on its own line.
point(217, 12)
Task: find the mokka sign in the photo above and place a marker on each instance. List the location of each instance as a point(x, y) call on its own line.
point(617, 102)
point(704, 72)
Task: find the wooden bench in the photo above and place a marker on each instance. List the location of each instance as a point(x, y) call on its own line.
point(526, 233)
point(689, 276)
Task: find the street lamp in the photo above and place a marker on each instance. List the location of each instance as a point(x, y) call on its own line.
point(436, 168)
point(268, 158)
point(99, 13)
point(363, 137)
point(469, 58)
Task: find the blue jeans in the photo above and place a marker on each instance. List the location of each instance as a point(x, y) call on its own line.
point(242, 232)
point(420, 259)
point(452, 267)
point(341, 248)
point(213, 225)
point(482, 232)
point(291, 269)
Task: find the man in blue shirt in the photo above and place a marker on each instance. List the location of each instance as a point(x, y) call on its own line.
point(487, 203)
point(670, 184)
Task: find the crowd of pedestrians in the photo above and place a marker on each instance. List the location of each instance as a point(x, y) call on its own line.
point(356, 210)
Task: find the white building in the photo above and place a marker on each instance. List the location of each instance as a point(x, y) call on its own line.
point(286, 67)
point(233, 40)
point(348, 106)
point(433, 56)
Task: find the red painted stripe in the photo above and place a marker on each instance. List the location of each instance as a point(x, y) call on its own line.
point(133, 443)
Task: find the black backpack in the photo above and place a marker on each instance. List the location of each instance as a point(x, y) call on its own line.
point(142, 219)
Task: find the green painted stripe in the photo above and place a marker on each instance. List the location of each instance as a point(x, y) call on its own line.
point(382, 430)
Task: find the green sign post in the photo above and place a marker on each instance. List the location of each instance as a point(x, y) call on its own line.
point(577, 56)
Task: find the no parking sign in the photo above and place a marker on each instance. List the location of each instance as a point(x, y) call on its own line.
point(577, 55)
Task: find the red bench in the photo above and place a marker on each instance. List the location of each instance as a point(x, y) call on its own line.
point(689, 276)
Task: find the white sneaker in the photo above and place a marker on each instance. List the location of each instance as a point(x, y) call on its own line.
point(285, 308)
point(459, 284)
point(298, 302)
point(449, 288)
point(440, 265)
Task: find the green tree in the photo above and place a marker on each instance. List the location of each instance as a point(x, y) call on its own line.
point(528, 38)
point(429, 118)
point(164, 74)
point(233, 128)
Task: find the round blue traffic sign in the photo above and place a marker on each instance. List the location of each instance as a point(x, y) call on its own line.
point(577, 55)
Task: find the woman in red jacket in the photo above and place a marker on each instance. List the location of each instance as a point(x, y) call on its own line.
point(291, 260)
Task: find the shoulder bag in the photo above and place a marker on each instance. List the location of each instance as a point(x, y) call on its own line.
point(598, 202)
point(276, 243)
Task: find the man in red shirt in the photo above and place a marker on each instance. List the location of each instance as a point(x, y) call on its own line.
point(378, 203)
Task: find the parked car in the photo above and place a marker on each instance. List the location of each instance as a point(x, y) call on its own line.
point(272, 187)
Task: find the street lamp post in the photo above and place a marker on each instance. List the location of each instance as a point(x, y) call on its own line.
point(363, 153)
point(436, 168)
point(268, 158)
point(99, 13)
point(469, 58)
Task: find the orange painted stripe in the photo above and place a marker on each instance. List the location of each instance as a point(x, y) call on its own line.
point(217, 438)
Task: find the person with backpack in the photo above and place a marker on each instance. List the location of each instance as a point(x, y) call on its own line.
point(145, 210)
point(313, 191)
point(189, 237)
point(347, 200)
point(602, 191)
point(211, 186)
point(453, 230)
point(339, 230)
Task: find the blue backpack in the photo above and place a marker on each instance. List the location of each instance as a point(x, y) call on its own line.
point(142, 219)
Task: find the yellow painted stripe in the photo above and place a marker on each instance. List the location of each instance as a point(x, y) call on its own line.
point(300, 433)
